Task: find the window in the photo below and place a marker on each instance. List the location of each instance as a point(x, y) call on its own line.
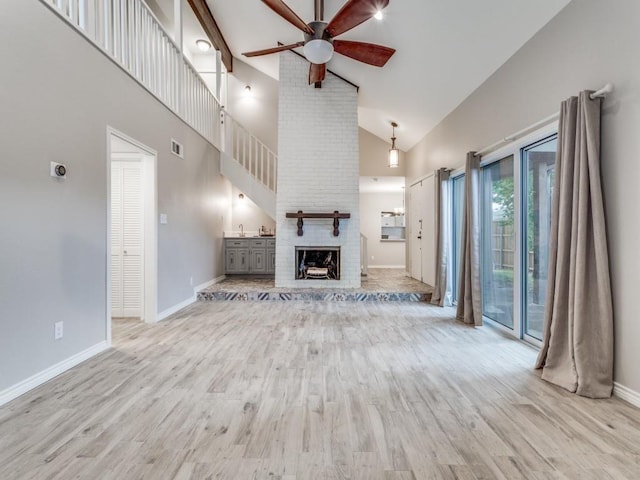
point(497, 242)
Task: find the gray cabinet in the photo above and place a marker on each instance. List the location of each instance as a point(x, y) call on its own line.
point(249, 255)
point(236, 257)
point(271, 256)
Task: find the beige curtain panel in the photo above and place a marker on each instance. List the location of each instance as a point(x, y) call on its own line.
point(440, 294)
point(469, 286)
point(577, 352)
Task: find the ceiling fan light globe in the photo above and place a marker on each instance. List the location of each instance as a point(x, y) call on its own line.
point(318, 51)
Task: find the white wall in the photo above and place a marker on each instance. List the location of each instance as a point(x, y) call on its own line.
point(589, 43)
point(258, 111)
point(318, 169)
point(381, 254)
point(246, 212)
point(58, 95)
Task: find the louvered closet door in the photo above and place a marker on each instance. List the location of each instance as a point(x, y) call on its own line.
point(126, 239)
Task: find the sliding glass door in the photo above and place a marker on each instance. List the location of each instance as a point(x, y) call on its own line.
point(539, 168)
point(516, 193)
point(497, 226)
point(457, 198)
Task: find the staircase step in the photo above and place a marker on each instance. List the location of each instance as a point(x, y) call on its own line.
point(381, 285)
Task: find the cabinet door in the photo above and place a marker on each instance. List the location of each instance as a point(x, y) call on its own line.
point(231, 260)
point(258, 260)
point(236, 260)
point(243, 260)
point(271, 261)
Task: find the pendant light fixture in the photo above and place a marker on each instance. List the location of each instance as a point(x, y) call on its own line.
point(394, 157)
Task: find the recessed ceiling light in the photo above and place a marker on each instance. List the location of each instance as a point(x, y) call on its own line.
point(378, 15)
point(203, 45)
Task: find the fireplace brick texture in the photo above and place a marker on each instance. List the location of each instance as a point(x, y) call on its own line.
point(318, 170)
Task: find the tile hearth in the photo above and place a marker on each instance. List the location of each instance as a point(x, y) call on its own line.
point(380, 285)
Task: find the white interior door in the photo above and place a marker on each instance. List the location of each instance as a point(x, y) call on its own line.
point(126, 239)
point(415, 214)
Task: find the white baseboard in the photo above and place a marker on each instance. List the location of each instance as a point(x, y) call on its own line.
point(38, 379)
point(192, 299)
point(176, 308)
point(386, 266)
point(204, 285)
point(626, 394)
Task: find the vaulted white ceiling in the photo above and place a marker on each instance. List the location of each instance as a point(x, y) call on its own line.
point(445, 50)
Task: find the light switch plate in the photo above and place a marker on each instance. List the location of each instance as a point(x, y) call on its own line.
point(163, 219)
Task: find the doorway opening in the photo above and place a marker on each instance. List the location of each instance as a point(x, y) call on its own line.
point(132, 231)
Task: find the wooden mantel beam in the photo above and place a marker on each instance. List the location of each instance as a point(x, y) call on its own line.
point(336, 215)
point(205, 17)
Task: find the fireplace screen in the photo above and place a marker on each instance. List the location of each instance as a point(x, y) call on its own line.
point(317, 263)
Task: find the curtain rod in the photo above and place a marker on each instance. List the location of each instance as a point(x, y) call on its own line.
point(603, 92)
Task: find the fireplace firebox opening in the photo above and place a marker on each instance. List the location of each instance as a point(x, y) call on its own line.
point(317, 263)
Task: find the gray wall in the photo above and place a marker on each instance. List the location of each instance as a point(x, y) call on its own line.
point(57, 96)
point(589, 43)
point(374, 156)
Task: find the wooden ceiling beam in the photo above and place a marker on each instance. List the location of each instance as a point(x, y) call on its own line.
point(205, 17)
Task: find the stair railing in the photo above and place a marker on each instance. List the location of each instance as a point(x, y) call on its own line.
point(246, 149)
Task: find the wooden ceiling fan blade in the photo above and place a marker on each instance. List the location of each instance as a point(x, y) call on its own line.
point(317, 72)
point(289, 15)
point(353, 13)
point(268, 51)
point(369, 53)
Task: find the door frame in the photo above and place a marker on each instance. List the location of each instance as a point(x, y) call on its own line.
point(149, 159)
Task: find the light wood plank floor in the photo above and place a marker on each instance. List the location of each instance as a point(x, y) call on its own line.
point(290, 390)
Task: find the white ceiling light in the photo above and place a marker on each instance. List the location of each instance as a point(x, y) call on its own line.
point(318, 51)
point(378, 15)
point(394, 153)
point(203, 45)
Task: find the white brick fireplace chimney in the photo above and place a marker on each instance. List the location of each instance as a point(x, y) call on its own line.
point(318, 171)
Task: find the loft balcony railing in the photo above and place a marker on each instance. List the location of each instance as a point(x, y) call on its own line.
point(130, 34)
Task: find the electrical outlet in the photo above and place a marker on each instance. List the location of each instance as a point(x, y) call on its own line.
point(372, 257)
point(58, 331)
point(191, 281)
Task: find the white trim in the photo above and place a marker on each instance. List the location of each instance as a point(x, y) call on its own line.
point(422, 178)
point(387, 266)
point(149, 159)
point(176, 308)
point(44, 376)
point(204, 285)
point(625, 393)
point(192, 299)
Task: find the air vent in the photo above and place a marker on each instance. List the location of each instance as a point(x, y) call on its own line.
point(176, 148)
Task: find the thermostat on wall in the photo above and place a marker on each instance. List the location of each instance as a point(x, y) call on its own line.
point(58, 170)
